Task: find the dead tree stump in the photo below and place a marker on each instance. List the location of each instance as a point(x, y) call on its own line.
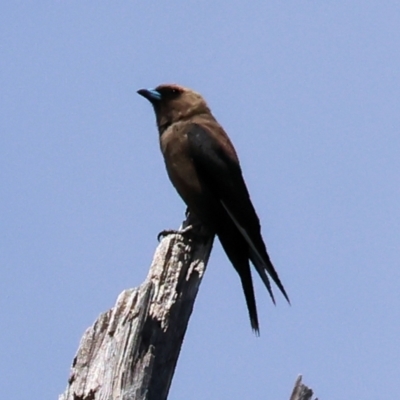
point(131, 351)
point(301, 391)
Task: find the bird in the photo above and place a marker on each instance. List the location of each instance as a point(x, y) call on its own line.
point(204, 168)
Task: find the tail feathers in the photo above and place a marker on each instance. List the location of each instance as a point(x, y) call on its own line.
point(262, 263)
point(265, 264)
point(263, 275)
point(248, 289)
point(236, 250)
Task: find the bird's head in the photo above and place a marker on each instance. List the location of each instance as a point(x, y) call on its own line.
point(173, 103)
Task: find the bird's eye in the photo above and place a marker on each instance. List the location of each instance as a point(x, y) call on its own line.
point(169, 92)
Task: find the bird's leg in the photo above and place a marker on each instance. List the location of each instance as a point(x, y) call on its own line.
point(191, 226)
point(167, 232)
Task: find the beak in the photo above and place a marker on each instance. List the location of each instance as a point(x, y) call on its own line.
point(151, 95)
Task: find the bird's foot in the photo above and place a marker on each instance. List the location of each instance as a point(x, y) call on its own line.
point(182, 232)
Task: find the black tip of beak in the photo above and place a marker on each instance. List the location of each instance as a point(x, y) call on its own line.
point(150, 94)
point(142, 92)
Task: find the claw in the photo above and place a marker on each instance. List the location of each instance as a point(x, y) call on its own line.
point(167, 232)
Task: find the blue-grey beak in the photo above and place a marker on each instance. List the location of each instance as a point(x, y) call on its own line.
point(151, 95)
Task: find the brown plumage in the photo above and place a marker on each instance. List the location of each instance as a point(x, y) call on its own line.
point(203, 166)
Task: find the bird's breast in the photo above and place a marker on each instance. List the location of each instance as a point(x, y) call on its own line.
point(179, 164)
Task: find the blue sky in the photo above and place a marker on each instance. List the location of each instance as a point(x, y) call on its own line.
point(309, 94)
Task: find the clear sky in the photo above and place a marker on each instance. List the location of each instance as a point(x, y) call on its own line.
point(309, 93)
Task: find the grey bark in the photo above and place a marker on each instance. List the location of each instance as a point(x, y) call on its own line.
point(301, 391)
point(131, 350)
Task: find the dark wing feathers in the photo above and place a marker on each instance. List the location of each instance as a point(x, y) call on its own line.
point(222, 173)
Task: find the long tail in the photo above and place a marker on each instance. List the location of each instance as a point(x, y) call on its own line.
point(259, 257)
point(263, 264)
point(237, 251)
point(248, 289)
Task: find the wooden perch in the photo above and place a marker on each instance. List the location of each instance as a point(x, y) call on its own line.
point(301, 391)
point(131, 351)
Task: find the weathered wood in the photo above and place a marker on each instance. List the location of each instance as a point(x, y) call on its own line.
point(301, 391)
point(131, 351)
